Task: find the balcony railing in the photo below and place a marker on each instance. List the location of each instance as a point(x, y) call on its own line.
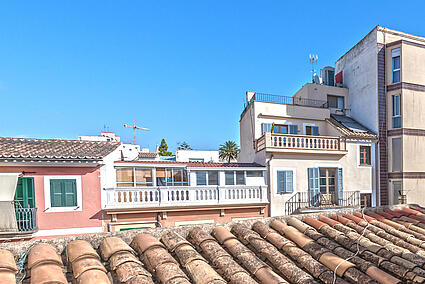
point(269, 98)
point(304, 200)
point(299, 142)
point(26, 218)
point(145, 197)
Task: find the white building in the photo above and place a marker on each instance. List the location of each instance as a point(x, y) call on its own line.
point(210, 156)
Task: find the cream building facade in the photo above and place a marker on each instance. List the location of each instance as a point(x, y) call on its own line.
point(385, 77)
point(314, 153)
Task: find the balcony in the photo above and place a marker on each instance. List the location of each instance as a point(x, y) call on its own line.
point(276, 142)
point(26, 223)
point(183, 196)
point(303, 202)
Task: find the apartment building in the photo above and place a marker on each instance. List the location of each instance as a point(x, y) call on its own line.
point(385, 77)
point(314, 153)
point(143, 194)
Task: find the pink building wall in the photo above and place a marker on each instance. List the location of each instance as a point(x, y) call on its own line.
point(90, 216)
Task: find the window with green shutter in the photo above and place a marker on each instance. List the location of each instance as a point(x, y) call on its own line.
point(24, 194)
point(63, 192)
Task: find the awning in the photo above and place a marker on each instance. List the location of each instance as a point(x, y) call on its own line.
point(8, 182)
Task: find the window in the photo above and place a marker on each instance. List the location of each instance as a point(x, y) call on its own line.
point(234, 177)
point(212, 177)
point(396, 111)
point(201, 178)
point(396, 154)
point(284, 182)
point(280, 128)
point(266, 127)
point(240, 177)
point(335, 102)
point(132, 177)
point(171, 177)
point(229, 178)
point(62, 193)
point(196, 160)
point(254, 173)
point(312, 130)
point(365, 200)
point(397, 192)
point(365, 156)
point(395, 61)
point(207, 178)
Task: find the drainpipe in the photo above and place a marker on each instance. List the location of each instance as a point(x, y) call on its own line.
point(269, 186)
point(158, 220)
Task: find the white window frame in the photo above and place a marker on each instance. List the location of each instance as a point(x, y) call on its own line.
point(305, 127)
point(396, 52)
point(207, 177)
point(275, 181)
point(47, 202)
point(393, 110)
point(372, 155)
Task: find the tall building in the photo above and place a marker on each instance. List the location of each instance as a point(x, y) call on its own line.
point(385, 77)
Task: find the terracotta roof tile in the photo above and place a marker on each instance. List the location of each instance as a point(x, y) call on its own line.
point(54, 149)
point(148, 155)
point(290, 249)
point(358, 132)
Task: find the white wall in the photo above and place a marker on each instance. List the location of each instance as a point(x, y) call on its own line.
point(208, 156)
point(360, 66)
point(355, 177)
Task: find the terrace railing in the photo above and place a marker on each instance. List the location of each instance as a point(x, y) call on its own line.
point(269, 98)
point(304, 200)
point(145, 197)
point(300, 142)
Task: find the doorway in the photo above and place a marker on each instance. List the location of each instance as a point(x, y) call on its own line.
point(327, 177)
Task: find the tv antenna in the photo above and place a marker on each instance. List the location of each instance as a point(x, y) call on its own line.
point(135, 128)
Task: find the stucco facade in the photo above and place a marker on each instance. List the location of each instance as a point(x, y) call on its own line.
point(300, 158)
point(368, 75)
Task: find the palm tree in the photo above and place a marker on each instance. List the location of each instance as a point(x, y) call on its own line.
point(228, 151)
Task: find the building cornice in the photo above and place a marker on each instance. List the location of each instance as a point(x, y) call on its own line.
point(406, 131)
point(406, 86)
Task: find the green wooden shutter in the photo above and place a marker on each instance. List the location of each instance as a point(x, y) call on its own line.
point(340, 187)
point(56, 193)
point(63, 192)
point(313, 186)
point(69, 192)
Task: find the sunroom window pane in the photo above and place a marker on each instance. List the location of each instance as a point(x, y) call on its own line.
point(229, 178)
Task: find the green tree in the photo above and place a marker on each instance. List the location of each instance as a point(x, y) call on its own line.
point(228, 151)
point(163, 149)
point(183, 146)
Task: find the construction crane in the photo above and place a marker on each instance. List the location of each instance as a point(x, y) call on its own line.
point(135, 128)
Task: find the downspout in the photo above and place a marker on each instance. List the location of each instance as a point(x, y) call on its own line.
point(269, 178)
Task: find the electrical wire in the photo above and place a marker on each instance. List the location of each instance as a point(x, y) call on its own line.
point(357, 244)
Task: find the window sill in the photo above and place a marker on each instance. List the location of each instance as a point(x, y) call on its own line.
point(63, 209)
point(365, 166)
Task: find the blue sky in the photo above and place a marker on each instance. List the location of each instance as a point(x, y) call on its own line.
point(180, 68)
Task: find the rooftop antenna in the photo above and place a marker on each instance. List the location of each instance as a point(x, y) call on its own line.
point(135, 128)
point(313, 60)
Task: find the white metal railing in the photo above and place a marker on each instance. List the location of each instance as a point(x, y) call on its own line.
point(161, 196)
point(300, 142)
